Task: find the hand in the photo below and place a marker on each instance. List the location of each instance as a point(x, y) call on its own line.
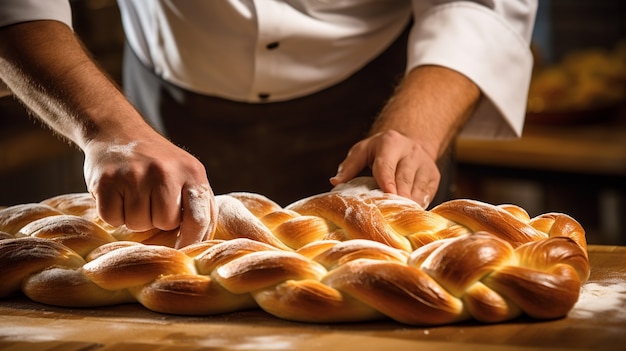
point(399, 165)
point(417, 125)
point(150, 183)
point(137, 177)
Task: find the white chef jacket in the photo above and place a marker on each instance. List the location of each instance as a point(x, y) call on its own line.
point(273, 50)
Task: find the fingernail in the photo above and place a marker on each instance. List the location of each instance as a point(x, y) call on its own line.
point(426, 201)
point(336, 177)
point(339, 170)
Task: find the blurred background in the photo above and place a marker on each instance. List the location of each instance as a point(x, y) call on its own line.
point(571, 158)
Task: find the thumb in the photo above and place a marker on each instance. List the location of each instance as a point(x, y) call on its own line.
point(198, 214)
point(351, 166)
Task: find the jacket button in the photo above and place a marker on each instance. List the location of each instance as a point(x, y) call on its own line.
point(273, 45)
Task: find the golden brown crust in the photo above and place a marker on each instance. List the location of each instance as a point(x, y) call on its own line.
point(344, 256)
point(313, 301)
point(106, 248)
point(13, 218)
point(486, 305)
point(343, 252)
point(135, 265)
point(539, 294)
point(548, 254)
point(236, 221)
point(478, 216)
point(226, 251)
point(70, 288)
point(298, 231)
point(5, 235)
point(77, 204)
point(190, 295)
point(481, 251)
point(560, 225)
point(258, 204)
point(260, 269)
point(356, 216)
point(19, 258)
point(77, 233)
point(406, 295)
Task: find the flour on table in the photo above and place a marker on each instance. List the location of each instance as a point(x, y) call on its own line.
point(595, 298)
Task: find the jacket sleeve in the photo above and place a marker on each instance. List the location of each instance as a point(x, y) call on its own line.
point(17, 11)
point(487, 41)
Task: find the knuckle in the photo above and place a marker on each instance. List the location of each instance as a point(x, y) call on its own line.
point(390, 136)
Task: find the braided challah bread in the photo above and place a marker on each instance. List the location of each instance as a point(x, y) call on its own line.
point(352, 254)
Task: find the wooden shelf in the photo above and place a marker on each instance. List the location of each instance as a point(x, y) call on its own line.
point(598, 148)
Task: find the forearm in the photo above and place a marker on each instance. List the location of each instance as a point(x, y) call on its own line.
point(46, 67)
point(429, 106)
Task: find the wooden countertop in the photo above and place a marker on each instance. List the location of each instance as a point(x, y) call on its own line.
point(597, 322)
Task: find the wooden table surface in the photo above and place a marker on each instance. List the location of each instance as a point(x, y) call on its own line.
point(597, 322)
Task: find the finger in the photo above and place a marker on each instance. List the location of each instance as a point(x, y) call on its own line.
point(165, 203)
point(384, 168)
point(197, 214)
point(423, 193)
point(355, 161)
point(213, 218)
point(425, 185)
point(406, 174)
point(109, 205)
point(137, 211)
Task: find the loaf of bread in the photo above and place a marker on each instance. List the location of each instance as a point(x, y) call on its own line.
point(352, 254)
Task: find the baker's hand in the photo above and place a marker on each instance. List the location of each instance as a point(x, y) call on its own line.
point(150, 183)
point(399, 165)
